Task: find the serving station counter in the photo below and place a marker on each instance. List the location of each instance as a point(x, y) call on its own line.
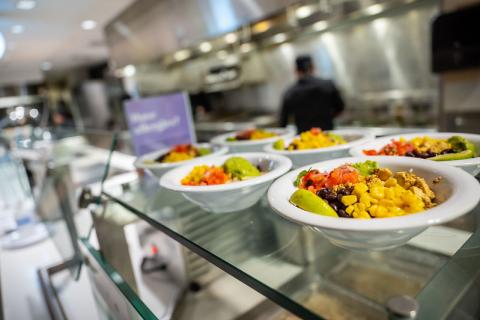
point(154, 255)
point(434, 276)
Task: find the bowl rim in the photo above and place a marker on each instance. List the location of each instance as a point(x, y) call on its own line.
point(139, 161)
point(465, 191)
point(356, 151)
point(365, 136)
point(284, 133)
point(171, 180)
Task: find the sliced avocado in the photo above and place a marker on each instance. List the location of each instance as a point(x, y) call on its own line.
point(466, 154)
point(240, 168)
point(309, 201)
point(231, 139)
point(279, 145)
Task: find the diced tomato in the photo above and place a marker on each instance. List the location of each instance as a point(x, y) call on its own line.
point(316, 131)
point(394, 148)
point(315, 180)
point(370, 152)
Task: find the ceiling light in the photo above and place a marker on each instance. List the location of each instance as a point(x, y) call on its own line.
point(12, 116)
point(18, 28)
point(246, 47)
point(88, 24)
point(20, 112)
point(320, 25)
point(279, 37)
point(303, 12)
point(26, 4)
point(129, 70)
point(261, 26)
point(182, 55)
point(2, 46)
point(33, 113)
point(231, 38)
point(205, 46)
point(374, 9)
point(46, 65)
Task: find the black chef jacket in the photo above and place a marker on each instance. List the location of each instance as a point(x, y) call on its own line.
point(314, 103)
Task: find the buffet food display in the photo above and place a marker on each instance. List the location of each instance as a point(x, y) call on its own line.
point(252, 134)
point(234, 169)
point(455, 149)
point(314, 138)
point(362, 190)
point(227, 183)
point(316, 145)
point(251, 140)
point(374, 203)
point(159, 162)
point(180, 152)
point(426, 147)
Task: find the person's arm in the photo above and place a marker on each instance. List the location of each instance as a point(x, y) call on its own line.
point(284, 112)
point(338, 104)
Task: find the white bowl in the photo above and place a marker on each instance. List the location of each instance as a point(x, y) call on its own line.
point(251, 145)
point(459, 190)
point(158, 168)
point(472, 165)
point(229, 197)
point(303, 157)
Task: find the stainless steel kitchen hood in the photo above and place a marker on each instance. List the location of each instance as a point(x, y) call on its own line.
point(149, 29)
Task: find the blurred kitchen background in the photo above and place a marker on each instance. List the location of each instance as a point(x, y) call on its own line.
point(73, 63)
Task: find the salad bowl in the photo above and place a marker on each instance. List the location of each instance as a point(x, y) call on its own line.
point(147, 161)
point(233, 196)
point(471, 165)
point(300, 158)
point(251, 145)
point(457, 193)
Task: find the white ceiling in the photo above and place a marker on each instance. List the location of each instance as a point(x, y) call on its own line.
point(53, 33)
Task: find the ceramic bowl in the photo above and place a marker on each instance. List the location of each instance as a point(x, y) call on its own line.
point(304, 157)
point(233, 196)
point(458, 193)
point(158, 168)
point(471, 166)
point(251, 145)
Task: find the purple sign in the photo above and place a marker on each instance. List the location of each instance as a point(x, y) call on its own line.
point(159, 122)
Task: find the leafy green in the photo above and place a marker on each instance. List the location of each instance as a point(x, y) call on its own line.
point(366, 168)
point(302, 174)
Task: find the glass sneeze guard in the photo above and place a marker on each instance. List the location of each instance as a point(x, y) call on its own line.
point(300, 270)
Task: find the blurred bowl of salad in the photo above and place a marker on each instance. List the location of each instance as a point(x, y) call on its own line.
point(460, 150)
point(251, 140)
point(159, 162)
point(316, 145)
point(227, 183)
point(376, 203)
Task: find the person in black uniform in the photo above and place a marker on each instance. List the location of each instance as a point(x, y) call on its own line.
point(312, 101)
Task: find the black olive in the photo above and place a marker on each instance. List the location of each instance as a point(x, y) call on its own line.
point(343, 214)
point(334, 206)
point(322, 193)
point(330, 196)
